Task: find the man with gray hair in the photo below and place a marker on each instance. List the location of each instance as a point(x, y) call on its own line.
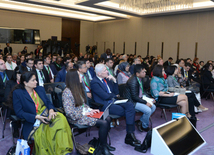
point(104, 89)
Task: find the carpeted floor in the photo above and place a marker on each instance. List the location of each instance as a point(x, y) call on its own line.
point(118, 133)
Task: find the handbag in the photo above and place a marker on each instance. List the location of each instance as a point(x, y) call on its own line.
point(177, 90)
point(22, 147)
point(146, 143)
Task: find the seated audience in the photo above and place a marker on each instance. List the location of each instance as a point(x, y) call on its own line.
point(77, 111)
point(207, 77)
point(62, 74)
point(201, 63)
point(9, 87)
point(42, 76)
point(124, 73)
point(159, 89)
point(136, 61)
point(90, 69)
point(29, 64)
point(21, 60)
point(168, 62)
point(14, 58)
point(53, 134)
point(47, 61)
point(5, 76)
point(57, 63)
point(82, 69)
point(172, 82)
point(196, 64)
point(10, 65)
point(109, 64)
point(135, 93)
point(104, 88)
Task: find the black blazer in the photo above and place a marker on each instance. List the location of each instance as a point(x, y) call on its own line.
point(207, 77)
point(6, 50)
point(2, 86)
point(45, 74)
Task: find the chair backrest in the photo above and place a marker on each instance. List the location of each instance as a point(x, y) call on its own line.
point(55, 90)
point(121, 88)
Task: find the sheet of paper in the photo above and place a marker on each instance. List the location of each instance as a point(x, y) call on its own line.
point(121, 101)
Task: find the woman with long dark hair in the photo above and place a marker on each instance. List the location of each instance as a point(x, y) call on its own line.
point(52, 132)
point(77, 111)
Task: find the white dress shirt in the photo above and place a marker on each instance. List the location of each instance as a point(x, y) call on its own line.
point(11, 66)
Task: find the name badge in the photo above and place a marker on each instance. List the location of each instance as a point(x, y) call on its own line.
point(37, 123)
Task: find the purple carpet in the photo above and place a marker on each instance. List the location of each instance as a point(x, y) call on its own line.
point(118, 133)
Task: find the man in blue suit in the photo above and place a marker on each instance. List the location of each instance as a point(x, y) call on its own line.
point(62, 73)
point(104, 88)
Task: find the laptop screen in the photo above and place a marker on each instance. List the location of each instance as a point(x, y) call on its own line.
point(180, 136)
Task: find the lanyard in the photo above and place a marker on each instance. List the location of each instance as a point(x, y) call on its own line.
point(85, 82)
point(186, 74)
point(36, 104)
point(124, 74)
point(5, 76)
point(141, 86)
point(11, 66)
point(109, 71)
point(41, 75)
point(163, 80)
point(174, 78)
point(58, 65)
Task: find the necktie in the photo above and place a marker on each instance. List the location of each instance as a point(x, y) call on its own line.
point(49, 72)
point(42, 76)
point(105, 84)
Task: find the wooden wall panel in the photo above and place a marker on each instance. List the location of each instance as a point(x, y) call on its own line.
point(71, 32)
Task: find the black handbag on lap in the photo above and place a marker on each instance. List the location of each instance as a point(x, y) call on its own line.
point(146, 143)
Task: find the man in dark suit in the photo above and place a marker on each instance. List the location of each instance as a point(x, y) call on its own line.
point(8, 49)
point(185, 71)
point(106, 55)
point(81, 67)
point(28, 64)
point(41, 74)
point(57, 64)
point(47, 61)
point(136, 61)
point(168, 62)
point(104, 88)
point(62, 73)
point(5, 75)
point(109, 64)
point(90, 70)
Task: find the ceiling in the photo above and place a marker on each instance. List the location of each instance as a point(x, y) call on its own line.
point(90, 10)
